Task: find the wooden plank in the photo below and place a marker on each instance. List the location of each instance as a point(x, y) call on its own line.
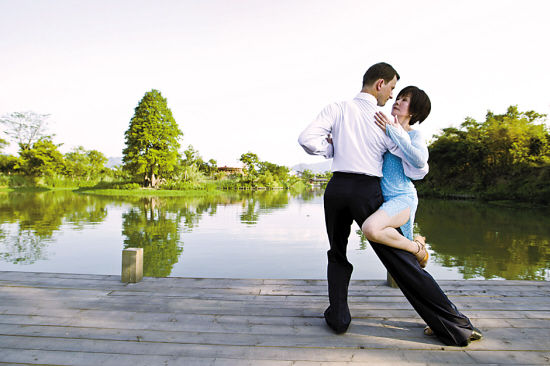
point(540, 304)
point(262, 290)
point(41, 357)
point(193, 306)
point(20, 275)
point(501, 303)
point(155, 303)
point(33, 291)
point(35, 312)
point(94, 359)
point(316, 285)
point(82, 319)
point(214, 282)
point(283, 336)
point(359, 355)
point(323, 338)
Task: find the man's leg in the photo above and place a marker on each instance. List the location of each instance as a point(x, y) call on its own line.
point(425, 295)
point(346, 195)
point(338, 222)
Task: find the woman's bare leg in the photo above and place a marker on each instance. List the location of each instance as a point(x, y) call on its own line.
point(381, 228)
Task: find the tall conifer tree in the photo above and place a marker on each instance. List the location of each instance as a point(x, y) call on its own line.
point(152, 140)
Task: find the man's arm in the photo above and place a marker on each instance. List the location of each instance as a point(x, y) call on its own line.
point(314, 138)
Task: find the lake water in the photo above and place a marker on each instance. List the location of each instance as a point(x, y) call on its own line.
point(255, 235)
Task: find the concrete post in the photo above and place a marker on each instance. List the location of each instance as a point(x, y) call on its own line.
point(132, 265)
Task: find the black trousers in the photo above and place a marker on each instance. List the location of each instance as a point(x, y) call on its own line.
point(354, 197)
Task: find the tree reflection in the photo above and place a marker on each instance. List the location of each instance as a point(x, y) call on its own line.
point(153, 227)
point(307, 194)
point(157, 223)
point(487, 241)
point(23, 248)
point(29, 220)
point(261, 202)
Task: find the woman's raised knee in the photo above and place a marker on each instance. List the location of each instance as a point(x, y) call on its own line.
point(370, 231)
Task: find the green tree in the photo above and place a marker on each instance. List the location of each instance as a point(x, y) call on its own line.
point(307, 175)
point(250, 161)
point(77, 163)
point(152, 140)
point(211, 167)
point(42, 159)
point(86, 164)
point(192, 156)
point(97, 163)
point(506, 156)
point(480, 152)
point(25, 128)
point(9, 164)
point(278, 171)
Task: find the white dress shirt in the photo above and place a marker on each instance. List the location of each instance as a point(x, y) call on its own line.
point(359, 143)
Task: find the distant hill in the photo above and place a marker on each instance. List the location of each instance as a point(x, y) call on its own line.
point(320, 167)
point(113, 161)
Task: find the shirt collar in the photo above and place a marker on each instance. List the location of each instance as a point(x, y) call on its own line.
point(368, 97)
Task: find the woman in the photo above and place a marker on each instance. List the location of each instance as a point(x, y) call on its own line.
point(400, 200)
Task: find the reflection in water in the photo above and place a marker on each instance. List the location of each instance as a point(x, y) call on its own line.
point(29, 220)
point(154, 228)
point(487, 241)
point(262, 202)
point(363, 241)
point(479, 240)
point(154, 222)
point(23, 247)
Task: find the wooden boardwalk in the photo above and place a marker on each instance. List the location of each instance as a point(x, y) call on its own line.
point(66, 319)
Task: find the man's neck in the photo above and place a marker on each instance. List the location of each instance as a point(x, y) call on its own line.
point(369, 91)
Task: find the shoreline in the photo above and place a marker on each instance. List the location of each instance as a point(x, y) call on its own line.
point(152, 192)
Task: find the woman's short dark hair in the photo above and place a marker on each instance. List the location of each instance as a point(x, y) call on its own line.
point(377, 71)
point(419, 104)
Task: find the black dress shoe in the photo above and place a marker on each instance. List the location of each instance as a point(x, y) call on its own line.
point(338, 329)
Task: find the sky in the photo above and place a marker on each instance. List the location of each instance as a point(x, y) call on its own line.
point(250, 75)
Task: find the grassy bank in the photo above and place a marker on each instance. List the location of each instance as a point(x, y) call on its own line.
point(146, 192)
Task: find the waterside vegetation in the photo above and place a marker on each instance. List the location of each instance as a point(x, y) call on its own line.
point(152, 163)
point(505, 157)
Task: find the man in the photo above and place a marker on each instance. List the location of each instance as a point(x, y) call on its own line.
point(354, 193)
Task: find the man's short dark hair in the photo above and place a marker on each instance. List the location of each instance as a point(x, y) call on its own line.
point(419, 104)
point(378, 71)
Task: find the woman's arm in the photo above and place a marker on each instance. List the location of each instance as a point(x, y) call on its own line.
point(414, 149)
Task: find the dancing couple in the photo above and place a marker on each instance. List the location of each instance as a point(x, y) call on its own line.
point(374, 159)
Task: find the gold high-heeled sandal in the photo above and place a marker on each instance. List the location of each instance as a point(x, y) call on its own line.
point(424, 260)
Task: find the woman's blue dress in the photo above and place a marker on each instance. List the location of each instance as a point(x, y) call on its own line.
point(397, 188)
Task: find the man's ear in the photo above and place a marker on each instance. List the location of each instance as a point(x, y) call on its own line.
point(379, 84)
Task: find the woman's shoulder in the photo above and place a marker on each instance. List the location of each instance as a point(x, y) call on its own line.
point(415, 133)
